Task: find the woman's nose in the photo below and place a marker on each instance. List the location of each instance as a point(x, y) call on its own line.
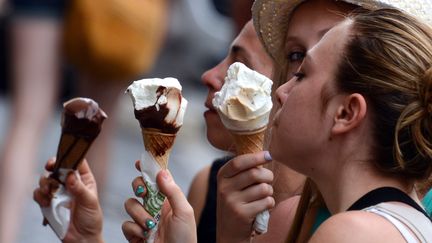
point(214, 77)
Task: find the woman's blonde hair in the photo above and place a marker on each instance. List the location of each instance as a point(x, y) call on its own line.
point(388, 60)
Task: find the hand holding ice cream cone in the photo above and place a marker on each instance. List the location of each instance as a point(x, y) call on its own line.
point(81, 123)
point(244, 104)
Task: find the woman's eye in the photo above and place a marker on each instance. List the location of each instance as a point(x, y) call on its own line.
point(296, 56)
point(299, 76)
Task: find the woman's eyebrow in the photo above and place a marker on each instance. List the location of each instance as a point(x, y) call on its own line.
point(238, 50)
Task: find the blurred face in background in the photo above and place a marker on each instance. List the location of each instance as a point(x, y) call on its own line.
point(247, 49)
point(308, 23)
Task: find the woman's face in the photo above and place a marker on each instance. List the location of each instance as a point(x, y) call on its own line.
point(301, 127)
point(309, 22)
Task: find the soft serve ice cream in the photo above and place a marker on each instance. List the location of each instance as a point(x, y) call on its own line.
point(244, 104)
point(158, 103)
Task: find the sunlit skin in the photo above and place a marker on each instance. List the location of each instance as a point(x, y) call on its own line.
point(247, 49)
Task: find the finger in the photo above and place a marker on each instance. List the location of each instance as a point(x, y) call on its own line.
point(256, 207)
point(133, 232)
point(83, 195)
point(138, 187)
point(137, 165)
point(254, 193)
point(247, 178)
point(244, 162)
point(49, 166)
point(179, 204)
point(41, 198)
point(44, 184)
point(84, 168)
point(137, 212)
point(47, 185)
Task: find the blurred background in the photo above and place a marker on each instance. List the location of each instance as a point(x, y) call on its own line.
point(43, 63)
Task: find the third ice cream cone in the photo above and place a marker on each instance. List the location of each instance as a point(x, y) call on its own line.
point(159, 145)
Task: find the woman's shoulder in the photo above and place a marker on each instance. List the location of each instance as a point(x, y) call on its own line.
point(357, 226)
point(280, 222)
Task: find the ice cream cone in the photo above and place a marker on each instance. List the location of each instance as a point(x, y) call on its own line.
point(159, 145)
point(71, 151)
point(250, 141)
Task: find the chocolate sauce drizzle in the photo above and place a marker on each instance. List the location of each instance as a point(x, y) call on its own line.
point(154, 116)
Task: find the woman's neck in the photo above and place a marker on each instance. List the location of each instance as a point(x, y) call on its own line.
point(351, 182)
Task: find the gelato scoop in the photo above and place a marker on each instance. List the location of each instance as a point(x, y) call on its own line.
point(81, 123)
point(244, 102)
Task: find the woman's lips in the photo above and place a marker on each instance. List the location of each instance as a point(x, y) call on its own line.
point(210, 106)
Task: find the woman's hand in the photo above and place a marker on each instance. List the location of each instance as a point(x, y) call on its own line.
point(177, 223)
point(86, 214)
point(244, 190)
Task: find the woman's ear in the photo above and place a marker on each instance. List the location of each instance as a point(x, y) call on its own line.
point(349, 114)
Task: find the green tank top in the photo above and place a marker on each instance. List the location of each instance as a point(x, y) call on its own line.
point(324, 214)
point(427, 202)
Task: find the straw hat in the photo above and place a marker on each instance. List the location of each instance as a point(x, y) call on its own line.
point(271, 17)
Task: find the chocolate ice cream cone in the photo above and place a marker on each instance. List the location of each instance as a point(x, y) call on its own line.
point(250, 141)
point(71, 151)
point(159, 145)
point(81, 123)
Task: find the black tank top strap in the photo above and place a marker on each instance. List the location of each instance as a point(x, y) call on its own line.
point(206, 230)
point(385, 194)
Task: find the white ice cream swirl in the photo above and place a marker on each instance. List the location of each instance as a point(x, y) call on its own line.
point(244, 102)
point(146, 93)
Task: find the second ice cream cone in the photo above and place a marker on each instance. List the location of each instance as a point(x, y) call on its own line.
point(249, 142)
point(159, 145)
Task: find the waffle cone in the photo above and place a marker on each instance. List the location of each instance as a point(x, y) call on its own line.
point(71, 151)
point(249, 142)
point(159, 145)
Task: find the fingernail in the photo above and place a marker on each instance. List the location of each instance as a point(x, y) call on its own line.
point(150, 224)
point(267, 156)
point(145, 233)
point(139, 190)
point(165, 175)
